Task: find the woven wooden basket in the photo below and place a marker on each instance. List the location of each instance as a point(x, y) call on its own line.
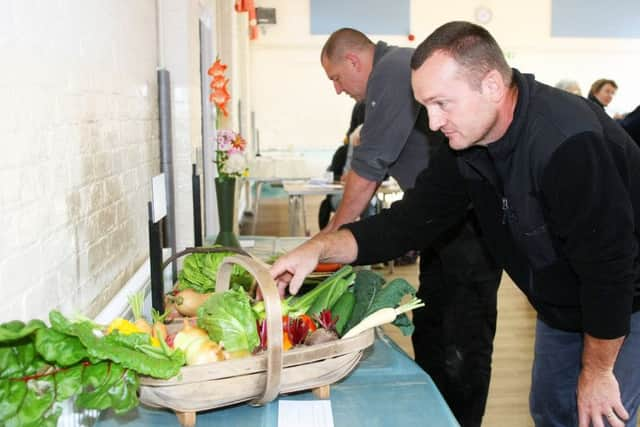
point(258, 379)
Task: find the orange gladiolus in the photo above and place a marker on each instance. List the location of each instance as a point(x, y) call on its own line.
point(218, 82)
point(217, 69)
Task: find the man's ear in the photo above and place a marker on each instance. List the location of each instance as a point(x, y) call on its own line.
point(354, 60)
point(493, 85)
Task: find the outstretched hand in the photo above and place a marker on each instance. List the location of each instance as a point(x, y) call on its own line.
point(291, 269)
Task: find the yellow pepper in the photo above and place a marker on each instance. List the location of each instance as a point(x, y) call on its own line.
point(126, 327)
point(123, 326)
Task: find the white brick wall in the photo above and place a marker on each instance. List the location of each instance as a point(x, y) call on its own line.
point(79, 144)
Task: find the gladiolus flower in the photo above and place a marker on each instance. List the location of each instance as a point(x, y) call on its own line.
point(217, 69)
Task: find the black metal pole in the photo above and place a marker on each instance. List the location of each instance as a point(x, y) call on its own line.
point(197, 208)
point(155, 260)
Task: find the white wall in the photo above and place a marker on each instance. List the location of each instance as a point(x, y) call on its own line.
point(296, 106)
point(79, 144)
point(78, 125)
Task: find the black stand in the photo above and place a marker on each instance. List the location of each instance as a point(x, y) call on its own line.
point(197, 208)
point(155, 259)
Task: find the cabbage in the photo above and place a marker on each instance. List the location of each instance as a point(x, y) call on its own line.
point(199, 272)
point(229, 319)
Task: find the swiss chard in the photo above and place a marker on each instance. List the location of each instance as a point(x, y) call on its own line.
point(41, 366)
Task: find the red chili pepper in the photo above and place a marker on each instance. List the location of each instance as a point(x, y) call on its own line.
point(325, 267)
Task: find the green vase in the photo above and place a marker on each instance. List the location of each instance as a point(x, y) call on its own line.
point(225, 193)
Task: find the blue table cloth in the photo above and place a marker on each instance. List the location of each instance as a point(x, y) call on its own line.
point(386, 389)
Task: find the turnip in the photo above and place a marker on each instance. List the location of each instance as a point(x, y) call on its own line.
point(188, 301)
point(382, 316)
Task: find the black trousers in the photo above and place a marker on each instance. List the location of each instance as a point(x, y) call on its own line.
point(453, 339)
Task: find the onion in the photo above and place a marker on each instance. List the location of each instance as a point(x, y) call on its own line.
point(187, 335)
point(202, 350)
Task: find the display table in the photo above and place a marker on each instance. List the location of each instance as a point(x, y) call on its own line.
point(386, 389)
point(296, 190)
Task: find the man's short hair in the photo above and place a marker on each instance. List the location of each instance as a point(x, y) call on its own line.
point(470, 45)
point(343, 40)
point(599, 84)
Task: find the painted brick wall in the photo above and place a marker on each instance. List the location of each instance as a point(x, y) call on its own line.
point(78, 146)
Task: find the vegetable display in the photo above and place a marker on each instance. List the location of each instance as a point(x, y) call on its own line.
point(41, 366)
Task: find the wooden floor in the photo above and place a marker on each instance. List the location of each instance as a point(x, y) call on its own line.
point(508, 395)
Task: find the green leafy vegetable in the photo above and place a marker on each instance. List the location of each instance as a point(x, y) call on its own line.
point(366, 287)
point(228, 318)
point(200, 270)
point(41, 366)
point(131, 351)
point(372, 295)
point(16, 329)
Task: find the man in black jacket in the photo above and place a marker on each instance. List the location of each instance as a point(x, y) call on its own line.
point(555, 183)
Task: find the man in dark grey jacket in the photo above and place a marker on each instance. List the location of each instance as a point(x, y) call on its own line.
point(555, 184)
point(453, 339)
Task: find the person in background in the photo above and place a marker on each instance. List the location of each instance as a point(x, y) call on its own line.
point(570, 86)
point(555, 183)
point(340, 165)
point(602, 92)
point(631, 123)
point(453, 339)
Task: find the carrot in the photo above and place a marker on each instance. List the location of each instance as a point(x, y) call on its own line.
point(327, 267)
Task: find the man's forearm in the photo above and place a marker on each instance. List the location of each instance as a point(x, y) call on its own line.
point(357, 194)
point(339, 247)
point(599, 355)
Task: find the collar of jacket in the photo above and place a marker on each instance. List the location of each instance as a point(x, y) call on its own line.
point(380, 50)
point(504, 146)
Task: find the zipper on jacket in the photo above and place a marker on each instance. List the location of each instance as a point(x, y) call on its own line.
point(505, 210)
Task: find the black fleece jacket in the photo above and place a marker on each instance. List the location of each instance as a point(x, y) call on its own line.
point(558, 201)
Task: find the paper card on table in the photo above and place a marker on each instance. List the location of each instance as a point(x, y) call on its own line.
point(247, 243)
point(308, 413)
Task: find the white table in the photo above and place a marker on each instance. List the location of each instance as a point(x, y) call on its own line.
point(296, 190)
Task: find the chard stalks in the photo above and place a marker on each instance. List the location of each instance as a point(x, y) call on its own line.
point(297, 305)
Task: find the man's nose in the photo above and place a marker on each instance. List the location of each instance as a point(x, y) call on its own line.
point(337, 87)
point(436, 120)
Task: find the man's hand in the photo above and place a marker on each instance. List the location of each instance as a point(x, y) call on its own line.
point(598, 390)
point(291, 269)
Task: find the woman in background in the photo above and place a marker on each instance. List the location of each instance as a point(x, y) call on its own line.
point(602, 92)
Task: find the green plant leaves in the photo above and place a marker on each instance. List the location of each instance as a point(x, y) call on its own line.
point(199, 272)
point(372, 294)
point(41, 366)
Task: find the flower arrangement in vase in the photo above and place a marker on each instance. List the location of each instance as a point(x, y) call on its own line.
point(230, 157)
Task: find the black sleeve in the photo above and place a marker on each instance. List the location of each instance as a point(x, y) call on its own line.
point(589, 209)
point(438, 201)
